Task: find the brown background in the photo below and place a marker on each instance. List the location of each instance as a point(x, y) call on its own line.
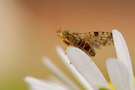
point(28, 33)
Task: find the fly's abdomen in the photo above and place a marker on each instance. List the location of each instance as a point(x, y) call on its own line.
point(87, 48)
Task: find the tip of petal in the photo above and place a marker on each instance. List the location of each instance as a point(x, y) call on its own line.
point(29, 79)
point(45, 60)
point(115, 31)
point(57, 46)
point(110, 61)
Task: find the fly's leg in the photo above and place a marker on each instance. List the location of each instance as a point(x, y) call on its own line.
point(91, 51)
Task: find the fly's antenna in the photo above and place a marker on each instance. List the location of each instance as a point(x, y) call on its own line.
point(59, 31)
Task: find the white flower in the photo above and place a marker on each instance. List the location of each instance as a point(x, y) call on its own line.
point(86, 71)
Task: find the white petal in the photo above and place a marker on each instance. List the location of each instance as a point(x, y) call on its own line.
point(119, 74)
point(86, 67)
point(122, 51)
point(55, 85)
point(35, 84)
point(56, 80)
point(77, 75)
point(133, 85)
point(59, 73)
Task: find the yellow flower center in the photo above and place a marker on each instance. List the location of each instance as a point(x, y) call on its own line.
point(111, 86)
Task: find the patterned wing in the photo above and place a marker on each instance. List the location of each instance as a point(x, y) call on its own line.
point(98, 39)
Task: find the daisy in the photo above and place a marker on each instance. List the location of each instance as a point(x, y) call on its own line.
point(86, 72)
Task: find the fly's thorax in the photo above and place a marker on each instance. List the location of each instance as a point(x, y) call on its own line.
point(78, 42)
point(70, 40)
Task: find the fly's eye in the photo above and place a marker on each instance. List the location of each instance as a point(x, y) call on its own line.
point(65, 32)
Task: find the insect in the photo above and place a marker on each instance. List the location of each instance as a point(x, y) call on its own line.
point(87, 42)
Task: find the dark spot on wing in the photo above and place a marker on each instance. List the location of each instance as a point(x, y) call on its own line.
point(96, 33)
point(111, 34)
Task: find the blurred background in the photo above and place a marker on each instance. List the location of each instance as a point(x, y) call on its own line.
point(28, 33)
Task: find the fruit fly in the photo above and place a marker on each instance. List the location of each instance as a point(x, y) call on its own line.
point(87, 42)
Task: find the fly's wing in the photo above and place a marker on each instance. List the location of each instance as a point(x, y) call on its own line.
point(98, 39)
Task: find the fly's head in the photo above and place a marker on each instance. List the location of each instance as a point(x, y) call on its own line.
point(67, 37)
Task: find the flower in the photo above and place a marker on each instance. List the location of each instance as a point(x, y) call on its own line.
point(86, 72)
